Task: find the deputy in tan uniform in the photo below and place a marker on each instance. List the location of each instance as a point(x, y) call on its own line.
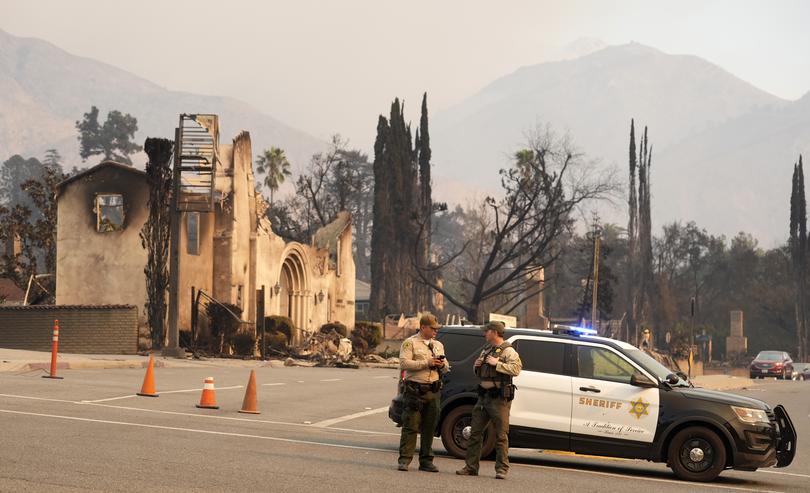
point(422, 357)
point(497, 364)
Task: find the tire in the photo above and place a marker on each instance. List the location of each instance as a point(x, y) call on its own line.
point(451, 429)
point(692, 443)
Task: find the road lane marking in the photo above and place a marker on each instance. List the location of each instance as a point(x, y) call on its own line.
point(357, 447)
point(329, 422)
point(112, 398)
point(785, 473)
point(49, 399)
point(272, 384)
point(642, 478)
point(194, 430)
point(161, 393)
point(209, 416)
point(331, 380)
point(200, 390)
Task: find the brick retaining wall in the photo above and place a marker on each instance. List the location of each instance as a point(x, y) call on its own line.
point(107, 329)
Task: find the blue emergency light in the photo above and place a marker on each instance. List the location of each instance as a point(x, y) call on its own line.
point(574, 331)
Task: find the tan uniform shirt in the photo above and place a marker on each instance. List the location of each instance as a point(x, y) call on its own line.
point(509, 363)
point(415, 355)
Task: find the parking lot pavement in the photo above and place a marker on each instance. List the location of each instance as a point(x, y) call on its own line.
point(319, 429)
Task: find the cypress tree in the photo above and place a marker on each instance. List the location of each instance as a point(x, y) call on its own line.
point(401, 201)
point(632, 239)
point(425, 200)
point(381, 214)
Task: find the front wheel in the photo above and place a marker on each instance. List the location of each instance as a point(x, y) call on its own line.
point(453, 435)
point(697, 454)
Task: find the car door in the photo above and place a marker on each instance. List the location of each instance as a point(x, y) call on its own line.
point(541, 411)
point(609, 415)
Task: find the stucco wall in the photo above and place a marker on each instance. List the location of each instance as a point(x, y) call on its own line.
point(195, 270)
point(101, 268)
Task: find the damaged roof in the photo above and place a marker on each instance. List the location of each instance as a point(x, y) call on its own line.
point(103, 164)
point(327, 236)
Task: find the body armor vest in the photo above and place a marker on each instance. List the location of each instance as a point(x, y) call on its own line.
point(488, 372)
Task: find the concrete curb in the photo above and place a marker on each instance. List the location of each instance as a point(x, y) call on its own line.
point(723, 382)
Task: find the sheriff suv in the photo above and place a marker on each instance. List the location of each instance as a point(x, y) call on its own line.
point(597, 396)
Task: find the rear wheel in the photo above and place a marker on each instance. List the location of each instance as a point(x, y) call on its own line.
point(452, 432)
point(697, 454)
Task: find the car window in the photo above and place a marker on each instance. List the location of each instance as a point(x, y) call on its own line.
point(602, 364)
point(459, 347)
point(541, 356)
point(769, 356)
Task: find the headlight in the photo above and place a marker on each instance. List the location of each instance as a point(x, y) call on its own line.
point(747, 415)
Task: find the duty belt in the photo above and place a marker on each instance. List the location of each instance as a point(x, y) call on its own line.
point(423, 388)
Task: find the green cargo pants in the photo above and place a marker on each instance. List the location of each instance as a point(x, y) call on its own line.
point(421, 414)
point(494, 409)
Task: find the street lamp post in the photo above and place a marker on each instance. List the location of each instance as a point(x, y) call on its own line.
point(691, 332)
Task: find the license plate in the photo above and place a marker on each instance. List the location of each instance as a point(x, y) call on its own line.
point(764, 371)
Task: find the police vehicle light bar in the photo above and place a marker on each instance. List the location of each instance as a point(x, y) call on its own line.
point(574, 331)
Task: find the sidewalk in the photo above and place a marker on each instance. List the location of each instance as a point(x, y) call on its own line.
point(16, 360)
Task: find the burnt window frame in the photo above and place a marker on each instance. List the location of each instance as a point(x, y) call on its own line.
point(196, 250)
point(98, 207)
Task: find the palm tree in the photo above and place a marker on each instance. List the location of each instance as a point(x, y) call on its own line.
point(274, 164)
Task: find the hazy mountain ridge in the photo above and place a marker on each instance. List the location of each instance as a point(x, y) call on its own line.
point(44, 90)
point(682, 98)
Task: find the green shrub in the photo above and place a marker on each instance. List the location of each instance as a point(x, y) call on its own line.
point(222, 323)
point(275, 340)
point(244, 343)
point(371, 332)
point(366, 336)
point(336, 327)
point(359, 346)
point(279, 323)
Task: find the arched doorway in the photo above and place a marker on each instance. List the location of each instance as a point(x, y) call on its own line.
point(294, 292)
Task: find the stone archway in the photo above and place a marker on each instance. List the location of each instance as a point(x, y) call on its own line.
point(294, 292)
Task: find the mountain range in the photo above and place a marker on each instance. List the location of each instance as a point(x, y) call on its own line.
point(44, 90)
point(723, 150)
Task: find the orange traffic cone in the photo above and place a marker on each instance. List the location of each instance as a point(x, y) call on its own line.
point(148, 387)
point(249, 405)
point(208, 399)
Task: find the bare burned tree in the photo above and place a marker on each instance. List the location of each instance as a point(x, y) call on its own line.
point(155, 234)
point(517, 234)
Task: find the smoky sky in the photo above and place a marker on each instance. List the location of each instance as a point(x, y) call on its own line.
point(332, 66)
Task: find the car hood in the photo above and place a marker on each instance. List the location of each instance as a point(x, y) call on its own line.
point(721, 397)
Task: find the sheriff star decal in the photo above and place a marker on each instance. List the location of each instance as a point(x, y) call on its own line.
point(639, 408)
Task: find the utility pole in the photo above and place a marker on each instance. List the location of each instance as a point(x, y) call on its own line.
point(595, 294)
point(172, 348)
point(691, 332)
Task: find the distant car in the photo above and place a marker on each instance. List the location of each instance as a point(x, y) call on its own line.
point(772, 364)
point(801, 371)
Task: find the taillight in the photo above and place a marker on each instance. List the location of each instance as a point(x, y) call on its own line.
point(402, 375)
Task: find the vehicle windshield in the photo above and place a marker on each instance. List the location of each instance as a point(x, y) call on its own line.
point(653, 366)
point(769, 356)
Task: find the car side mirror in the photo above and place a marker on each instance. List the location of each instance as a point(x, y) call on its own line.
point(639, 380)
point(673, 378)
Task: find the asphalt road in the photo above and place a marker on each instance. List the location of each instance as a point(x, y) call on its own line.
point(320, 430)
